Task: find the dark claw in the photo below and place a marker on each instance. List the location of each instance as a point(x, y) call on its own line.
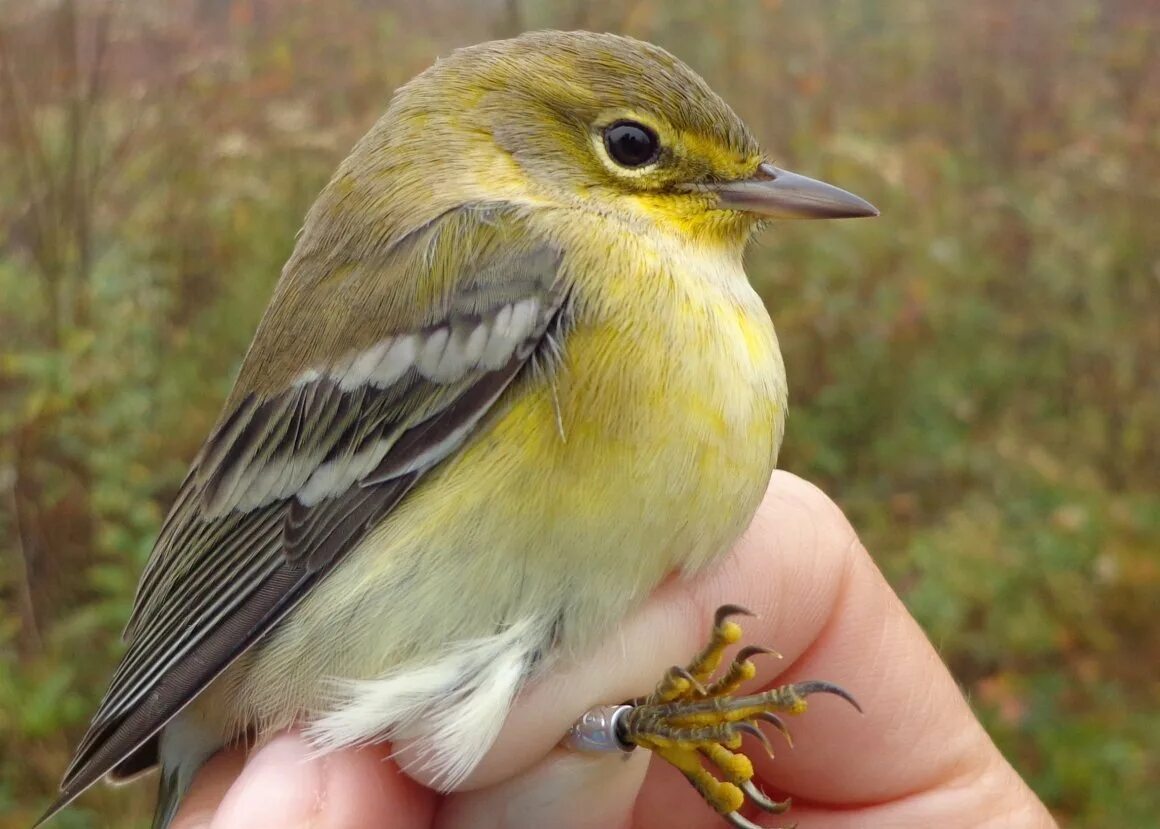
point(727, 610)
point(735, 819)
point(763, 801)
point(778, 723)
point(754, 650)
point(818, 686)
point(750, 728)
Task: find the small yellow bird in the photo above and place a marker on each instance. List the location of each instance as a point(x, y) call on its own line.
point(511, 377)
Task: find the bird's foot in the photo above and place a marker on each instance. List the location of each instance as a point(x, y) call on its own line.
point(692, 717)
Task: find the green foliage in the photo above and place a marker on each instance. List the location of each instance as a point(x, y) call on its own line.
point(974, 375)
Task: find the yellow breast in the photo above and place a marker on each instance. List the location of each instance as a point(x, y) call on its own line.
point(672, 392)
point(650, 445)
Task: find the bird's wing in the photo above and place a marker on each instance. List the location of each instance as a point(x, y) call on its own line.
point(291, 479)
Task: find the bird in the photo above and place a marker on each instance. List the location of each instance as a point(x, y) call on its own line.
point(512, 376)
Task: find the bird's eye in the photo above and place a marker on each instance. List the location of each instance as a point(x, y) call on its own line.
point(630, 144)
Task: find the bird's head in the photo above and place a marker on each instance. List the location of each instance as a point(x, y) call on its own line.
point(583, 121)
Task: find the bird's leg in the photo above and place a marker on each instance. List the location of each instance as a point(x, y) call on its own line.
point(691, 717)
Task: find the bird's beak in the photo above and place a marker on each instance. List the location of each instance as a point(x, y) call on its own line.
point(780, 194)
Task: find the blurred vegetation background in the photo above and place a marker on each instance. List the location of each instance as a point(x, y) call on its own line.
point(975, 375)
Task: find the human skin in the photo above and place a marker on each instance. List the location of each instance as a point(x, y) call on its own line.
point(916, 757)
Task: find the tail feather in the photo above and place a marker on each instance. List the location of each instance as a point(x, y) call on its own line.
point(170, 792)
point(184, 748)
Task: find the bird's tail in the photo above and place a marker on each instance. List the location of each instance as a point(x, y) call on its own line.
point(183, 749)
point(169, 795)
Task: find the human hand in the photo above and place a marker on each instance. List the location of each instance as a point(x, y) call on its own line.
point(916, 758)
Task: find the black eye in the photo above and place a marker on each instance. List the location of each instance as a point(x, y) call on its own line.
point(631, 144)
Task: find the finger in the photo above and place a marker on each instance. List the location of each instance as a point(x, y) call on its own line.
point(209, 787)
point(667, 801)
point(918, 753)
point(824, 605)
point(917, 733)
point(918, 757)
point(566, 790)
point(994, 798)
point(917, 730)
point(285, 784)
point(917, 750)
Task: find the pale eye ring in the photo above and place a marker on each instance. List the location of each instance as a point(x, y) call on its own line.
point(631, 144)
